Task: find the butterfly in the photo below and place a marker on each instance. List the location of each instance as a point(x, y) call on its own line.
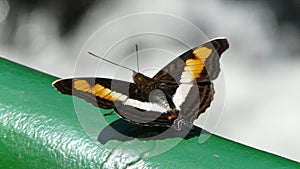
point(174, 97)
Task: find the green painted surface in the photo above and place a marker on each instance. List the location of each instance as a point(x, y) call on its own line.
point(40, 129)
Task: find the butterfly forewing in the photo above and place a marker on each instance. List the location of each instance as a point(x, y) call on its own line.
point(100, 92)
point(202, 61)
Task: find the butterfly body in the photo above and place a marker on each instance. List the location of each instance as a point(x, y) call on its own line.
point(174, 97)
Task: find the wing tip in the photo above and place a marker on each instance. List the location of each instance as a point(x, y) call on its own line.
point(62, 85)
point(54, 83)
point(221, 44)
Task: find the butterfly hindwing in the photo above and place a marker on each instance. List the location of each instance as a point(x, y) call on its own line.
point(198, 100)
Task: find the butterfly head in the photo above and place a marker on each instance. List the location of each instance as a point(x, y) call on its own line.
point(137, 77)
point(142, 81)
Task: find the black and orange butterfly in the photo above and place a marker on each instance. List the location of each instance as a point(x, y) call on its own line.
point(174, 97)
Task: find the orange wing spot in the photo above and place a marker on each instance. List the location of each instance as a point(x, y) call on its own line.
point(193, 68)
point(194, 62)
point(109, 97)
point(170, 117)
point(81, 85)
point(92, 90)
point(202, 52)
point(98, 90)
point(104, 93)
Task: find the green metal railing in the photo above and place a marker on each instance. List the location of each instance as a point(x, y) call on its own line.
point(39, 129)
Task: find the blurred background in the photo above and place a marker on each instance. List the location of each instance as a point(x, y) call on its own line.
point(261, 69)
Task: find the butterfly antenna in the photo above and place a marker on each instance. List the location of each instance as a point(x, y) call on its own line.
point(110, 61)
point(137, 57)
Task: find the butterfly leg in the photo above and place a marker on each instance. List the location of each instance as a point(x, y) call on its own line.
point(179, 123)
point(108, 114)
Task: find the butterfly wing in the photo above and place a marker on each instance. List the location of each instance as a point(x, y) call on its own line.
point(200, 64)
point(193, 72)
point(177, 80)
point(118, 95)
point(101, 92)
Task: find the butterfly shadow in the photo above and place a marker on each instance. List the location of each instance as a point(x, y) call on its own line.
point(123, 130)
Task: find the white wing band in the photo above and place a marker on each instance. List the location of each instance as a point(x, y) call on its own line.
point(145, 105)
point(181, 92)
